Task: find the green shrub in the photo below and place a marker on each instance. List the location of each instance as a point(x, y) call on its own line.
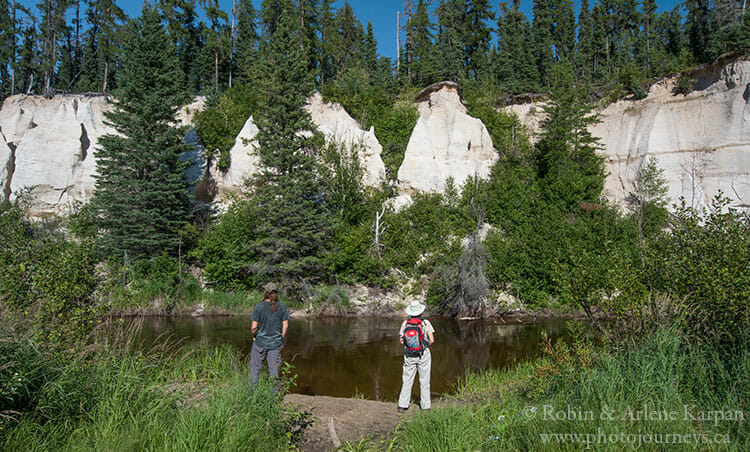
point(421, 237)
point(222, 120)
point(45, 278)
point(224, 250)
point(352, 256)
point(393, 117)
point(704, 259)
point(630, 76)
point(23, 374)
point(683, 85)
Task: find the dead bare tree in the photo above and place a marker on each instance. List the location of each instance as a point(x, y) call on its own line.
point(379, 229)
point(465, 280)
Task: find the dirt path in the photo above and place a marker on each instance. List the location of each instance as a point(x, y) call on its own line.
point(337, 420)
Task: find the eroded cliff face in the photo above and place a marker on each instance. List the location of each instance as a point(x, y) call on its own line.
point(47, 148)
point(340, 128)
point(701, 140)
point(244, 163)
point(332, 121)
point(446, 143)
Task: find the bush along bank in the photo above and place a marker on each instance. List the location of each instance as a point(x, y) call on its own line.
point(106, 398)
point(662, 393)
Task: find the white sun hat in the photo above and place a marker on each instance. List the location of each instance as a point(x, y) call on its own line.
point(415, 308)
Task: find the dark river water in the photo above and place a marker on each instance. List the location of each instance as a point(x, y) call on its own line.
point(362, 356)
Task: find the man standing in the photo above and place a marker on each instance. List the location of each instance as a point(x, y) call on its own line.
point(417, 334)
point(270, 322)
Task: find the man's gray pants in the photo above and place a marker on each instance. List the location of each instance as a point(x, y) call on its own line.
point(257, 355)
point(412, 366)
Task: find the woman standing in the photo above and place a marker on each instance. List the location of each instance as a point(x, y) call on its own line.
point(416, 334)
point(270, 321)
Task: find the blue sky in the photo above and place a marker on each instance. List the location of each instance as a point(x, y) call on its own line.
point(382, 14)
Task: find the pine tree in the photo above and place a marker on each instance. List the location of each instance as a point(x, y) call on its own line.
point(27, 73)
point(7, 46)
point(103, 43)
point(347, 51)
point(649, 22)
point(600, 62)
point(307, 11)
point(271, 11)
point(671, 31)
point(326, 68)
point(370, 51)
point(217, 35)
point(564, 29)
point(287, 190)
point(141, 193)
point(185, 34)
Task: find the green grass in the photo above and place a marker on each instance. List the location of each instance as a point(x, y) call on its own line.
point(508, 411)
point(177, 400)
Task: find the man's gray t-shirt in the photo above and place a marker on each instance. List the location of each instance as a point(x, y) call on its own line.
point(269, 324)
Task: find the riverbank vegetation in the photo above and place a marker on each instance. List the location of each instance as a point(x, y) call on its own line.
point(663, 393)
point(665, 290)
point(107, 397)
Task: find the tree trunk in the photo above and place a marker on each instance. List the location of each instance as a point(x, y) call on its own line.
point(13, 45)
point(216, 69)
point(106, 74)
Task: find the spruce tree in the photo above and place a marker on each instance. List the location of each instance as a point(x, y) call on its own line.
point(542, 28)
point(449, 45)
point(515, 66)
point(568, 168)
point(476, 37)
point(564, 29)
point(370, 51)
point(246, 45)
point(287, 191)
point(421, 64)
point(141, 194)
point(52, 29)
point(585, 45)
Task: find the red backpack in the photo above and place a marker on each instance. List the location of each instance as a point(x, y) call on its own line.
point(414, 340)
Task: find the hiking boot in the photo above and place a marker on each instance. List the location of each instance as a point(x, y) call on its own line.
point(401, 409)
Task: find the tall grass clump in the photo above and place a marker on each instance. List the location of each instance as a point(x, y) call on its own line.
point(637, 393)
point(167, 399)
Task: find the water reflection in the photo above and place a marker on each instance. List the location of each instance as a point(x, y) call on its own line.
point(345, 357)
